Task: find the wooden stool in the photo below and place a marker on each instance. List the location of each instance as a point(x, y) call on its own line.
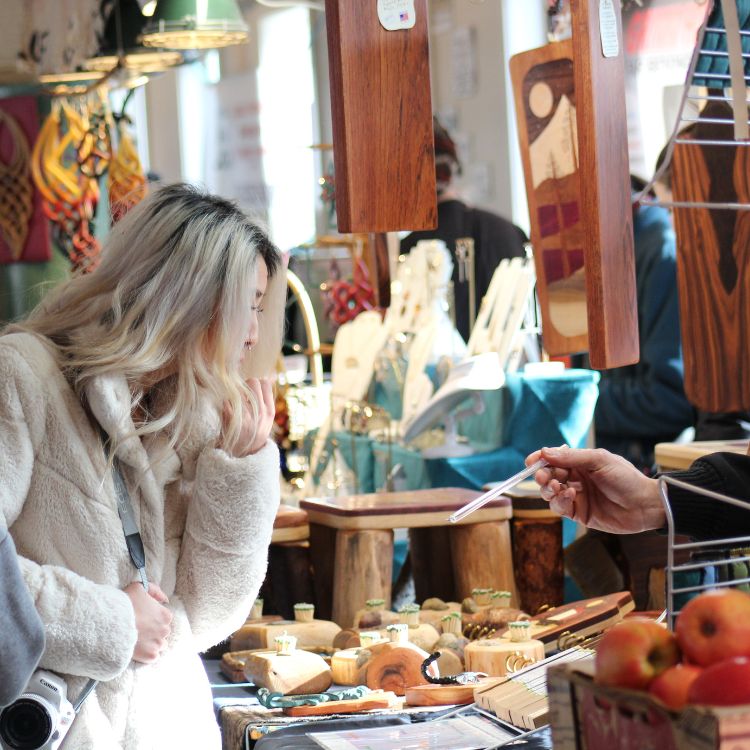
point(351, 545)
point(289, 578)
point(537, 549)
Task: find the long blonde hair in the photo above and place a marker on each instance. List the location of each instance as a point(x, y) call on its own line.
point(173, 292)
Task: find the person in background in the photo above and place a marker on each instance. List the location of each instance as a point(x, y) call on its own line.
point(21, 630)
point(639, 405)
point(162, 354)
point(605, 492)
point(494, 237)
point(645, 403)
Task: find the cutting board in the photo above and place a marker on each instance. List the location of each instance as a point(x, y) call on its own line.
point(371, 701)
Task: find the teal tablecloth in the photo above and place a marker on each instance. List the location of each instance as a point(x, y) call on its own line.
point(526, 414)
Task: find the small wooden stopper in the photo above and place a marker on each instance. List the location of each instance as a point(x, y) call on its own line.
point(410, 615)
point(482, 596)
point(398, 633)
point(369, 637)
point(304, 612)
point(500, 598)
point(451, 623)
point(285, 644)
point(519, 631)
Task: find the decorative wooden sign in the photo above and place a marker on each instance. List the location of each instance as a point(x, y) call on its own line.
point(382, 119)
point(574, 151)
point(713, 272)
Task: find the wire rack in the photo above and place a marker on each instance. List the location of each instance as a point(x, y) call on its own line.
point(717, 553)
point(719, 72)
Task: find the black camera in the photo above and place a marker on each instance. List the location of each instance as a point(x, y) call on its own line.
point(40, 718)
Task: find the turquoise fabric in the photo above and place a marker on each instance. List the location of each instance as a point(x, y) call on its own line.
point(524, 415)
point(714, 41)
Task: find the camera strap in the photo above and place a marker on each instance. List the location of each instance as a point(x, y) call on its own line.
point(133, 538)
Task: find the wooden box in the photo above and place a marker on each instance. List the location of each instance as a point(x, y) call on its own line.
point(590, 716)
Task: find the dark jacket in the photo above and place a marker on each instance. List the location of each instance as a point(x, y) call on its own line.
point(644, 404)
point(21, 631)
point(703, 517)
point(495, 238)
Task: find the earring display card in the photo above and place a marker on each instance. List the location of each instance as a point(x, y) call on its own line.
point(381, 110)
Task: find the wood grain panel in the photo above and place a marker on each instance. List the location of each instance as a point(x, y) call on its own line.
point(605, 191)
point(382, 120)
point(548, 144)
point(713, 268)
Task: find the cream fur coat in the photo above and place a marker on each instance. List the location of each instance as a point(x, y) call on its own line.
point(206, 520)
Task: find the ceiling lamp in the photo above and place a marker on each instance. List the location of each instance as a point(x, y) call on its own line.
point(120, 44)
point(195, 24)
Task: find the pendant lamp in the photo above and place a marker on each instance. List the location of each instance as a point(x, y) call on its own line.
point(120, 42)
point(195, 24)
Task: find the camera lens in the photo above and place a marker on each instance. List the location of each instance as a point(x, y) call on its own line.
point(25, 725)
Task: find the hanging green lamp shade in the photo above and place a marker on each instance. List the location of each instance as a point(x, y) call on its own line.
point(120, 42)
point(195, 24)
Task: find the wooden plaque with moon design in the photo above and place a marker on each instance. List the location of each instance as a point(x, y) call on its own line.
point(570, 107)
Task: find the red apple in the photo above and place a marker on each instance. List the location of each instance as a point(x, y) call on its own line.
point(715, 626)
point(672, 685)
point(724, 684)
point(633, 652)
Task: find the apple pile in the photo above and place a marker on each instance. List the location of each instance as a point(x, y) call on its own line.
point(706, 661)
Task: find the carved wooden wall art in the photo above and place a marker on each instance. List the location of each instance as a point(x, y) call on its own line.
point(570, 106)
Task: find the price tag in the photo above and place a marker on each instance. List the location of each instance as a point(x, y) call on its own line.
point(608, 29)
point(396, 14)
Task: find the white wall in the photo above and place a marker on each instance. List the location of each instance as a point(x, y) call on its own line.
point(482, 35)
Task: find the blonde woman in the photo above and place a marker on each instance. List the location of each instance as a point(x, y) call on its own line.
point(164, 350)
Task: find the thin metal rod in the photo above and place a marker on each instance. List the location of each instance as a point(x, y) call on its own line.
point(711, 143)
point(710, 120)
point(720, 53)
point(715, 585)
point(717, 30)
point(696, 204)
point(717, 76)
point(707, 98)
point(712, 563)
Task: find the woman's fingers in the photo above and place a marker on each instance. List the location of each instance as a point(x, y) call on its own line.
point(155, 592)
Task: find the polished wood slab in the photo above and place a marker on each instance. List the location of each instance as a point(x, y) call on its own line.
point(611, 301)
point(381, 109)
point(392, 510)
point(290, 525)
point(678, 456)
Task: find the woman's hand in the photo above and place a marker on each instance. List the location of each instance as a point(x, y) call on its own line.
point(599, 489)
point(255, 432)
point(153, 621)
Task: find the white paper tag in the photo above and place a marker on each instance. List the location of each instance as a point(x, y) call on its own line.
point(396, 14)
point(608, 29)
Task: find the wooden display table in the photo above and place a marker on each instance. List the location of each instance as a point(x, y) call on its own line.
point(351, 545)
point(290, 525)
point(288, 578)
point(679, 456)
